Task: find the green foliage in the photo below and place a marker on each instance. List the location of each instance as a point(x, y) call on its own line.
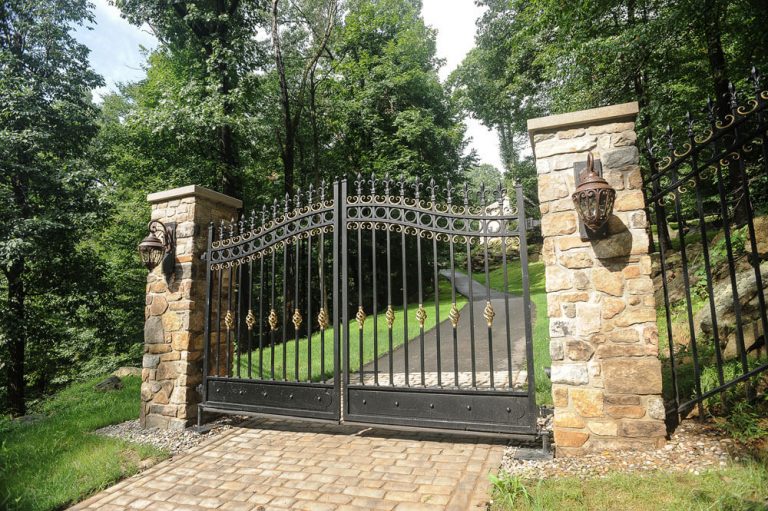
point(48, 191)
point(542, 57)
point(57, 461)
point(508, 490)
point(744, 422)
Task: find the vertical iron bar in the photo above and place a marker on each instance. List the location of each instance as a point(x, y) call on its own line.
point(309, 308)
point(421, 305)
point(321, 267)
point(286, 304)
point(360, 298)
point(297, 255)
point(230, 292)
point(389, 299)
point(218, 321)
point(661, 224)
point(488, 292)
point(250, 311)
point(375, 303)
point(503, 231)
point(238, 341)
point(260, 321)
point(340, 302)
point(453, 305)
point(687, 285)
point(705, 251)
point(272, 309)
point(405, 306)
point(521, 228)
point(437, 303)
point(468, 241)
point(207, 324)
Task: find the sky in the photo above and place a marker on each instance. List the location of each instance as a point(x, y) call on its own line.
point(117, 53)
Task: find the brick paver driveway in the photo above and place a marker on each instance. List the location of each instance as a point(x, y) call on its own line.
point(269, 465)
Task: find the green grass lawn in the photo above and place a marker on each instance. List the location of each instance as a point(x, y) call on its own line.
point(538, 294)
point(369, 354)
point(738, 487)
point(57, 461)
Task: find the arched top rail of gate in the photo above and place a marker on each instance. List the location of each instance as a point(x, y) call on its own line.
point(249, 239)
point(448, 213)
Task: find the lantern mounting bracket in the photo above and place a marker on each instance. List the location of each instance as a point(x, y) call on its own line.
point(580, 171)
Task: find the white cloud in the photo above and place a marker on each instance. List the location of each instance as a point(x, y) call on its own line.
point(115, 47)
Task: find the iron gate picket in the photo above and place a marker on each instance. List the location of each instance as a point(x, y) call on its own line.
point(305, 309)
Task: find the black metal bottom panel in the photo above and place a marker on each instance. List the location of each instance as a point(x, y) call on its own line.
point(470, 411)
point(315, 401)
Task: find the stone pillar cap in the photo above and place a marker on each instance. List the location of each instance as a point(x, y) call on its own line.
point(194, 191)
point(614, 113)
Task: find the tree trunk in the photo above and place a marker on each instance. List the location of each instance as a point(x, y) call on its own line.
point(15, 329)
point(288, 143)
point(313, 124)
point(231, 183)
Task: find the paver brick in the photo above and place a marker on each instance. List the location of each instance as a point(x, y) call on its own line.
point(313, 467)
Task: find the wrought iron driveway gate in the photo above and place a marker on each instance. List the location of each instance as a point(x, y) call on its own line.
point(340, 307)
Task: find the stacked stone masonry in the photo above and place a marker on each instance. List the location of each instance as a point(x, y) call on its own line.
point(606, 373)
point(175, 310)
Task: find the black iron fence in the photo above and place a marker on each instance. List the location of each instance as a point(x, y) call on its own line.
point(708, 195)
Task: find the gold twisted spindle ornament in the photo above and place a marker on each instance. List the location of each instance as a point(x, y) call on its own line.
point(297, 319)
point(489, 314)
point(250, 320)
point(421, 315)
point(272, 320)
point(390, 315)
point(360, 316)
point(322, 319)
point(229, 320)
point(454, 315)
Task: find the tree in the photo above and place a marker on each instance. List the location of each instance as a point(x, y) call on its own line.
point(390, 113)
point(48, 199)
point(315, 21)
point(214, 40)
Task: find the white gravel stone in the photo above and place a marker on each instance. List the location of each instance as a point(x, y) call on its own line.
point(693, 448)
point(172, 441)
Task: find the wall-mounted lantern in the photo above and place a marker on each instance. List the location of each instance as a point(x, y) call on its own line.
point(593, 199)
point(159, 246)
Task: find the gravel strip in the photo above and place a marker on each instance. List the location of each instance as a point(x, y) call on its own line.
point(174, 442)
point(694, 448)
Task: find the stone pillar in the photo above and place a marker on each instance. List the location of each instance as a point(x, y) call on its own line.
point(175, 310)
point(606, 374)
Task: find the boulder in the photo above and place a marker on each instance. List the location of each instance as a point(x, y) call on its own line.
point(747, 289)
point(32, 418)
point(111, 383)
point(122, 372)
point(761, 237)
